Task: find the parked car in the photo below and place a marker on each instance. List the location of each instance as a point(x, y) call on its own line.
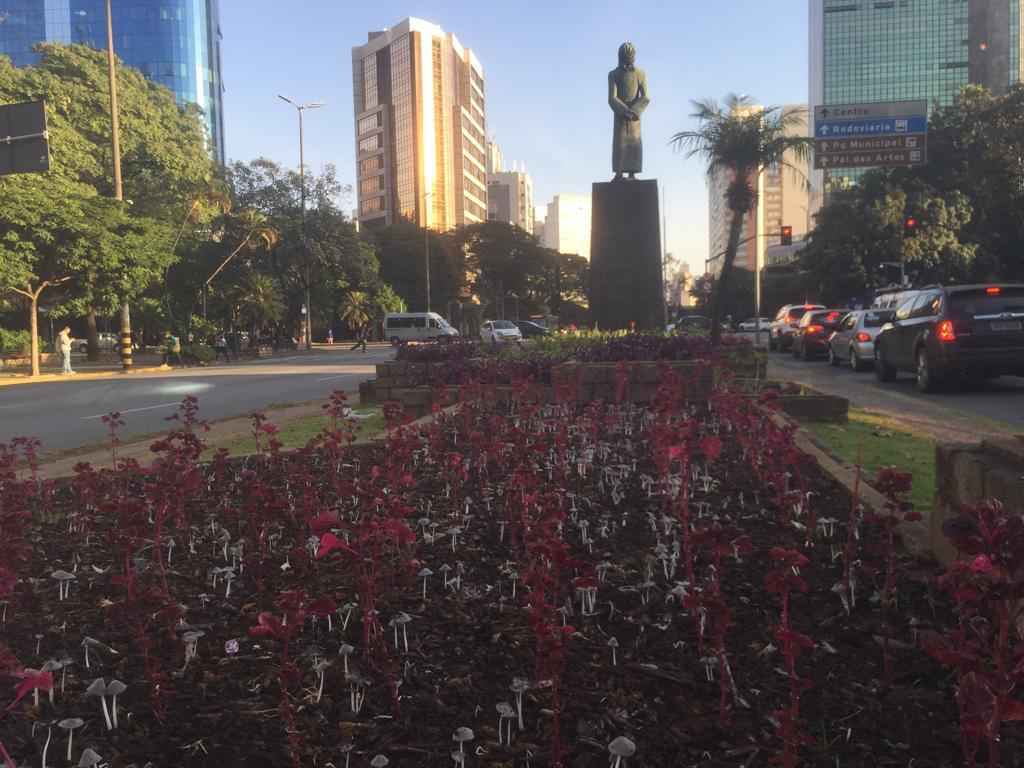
point(811, 337)
point(416, 326)
point(944, 333)
point(853, 342)
point(107, 341)
point(752, 324)
point(500, 331)
point(530, 329)
point(780, 333)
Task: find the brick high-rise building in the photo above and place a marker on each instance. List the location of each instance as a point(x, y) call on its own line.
point(421, 146)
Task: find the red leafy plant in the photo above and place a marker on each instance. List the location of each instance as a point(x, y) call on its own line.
point(986, 648)
point(783, 579)
point(895, 486)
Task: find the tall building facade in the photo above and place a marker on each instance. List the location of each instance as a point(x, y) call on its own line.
point(494, 161)
point(567, 225)
point(510, 198)
point(873, 51)
point(173, 42)
point(421, 147)
point(783, 199)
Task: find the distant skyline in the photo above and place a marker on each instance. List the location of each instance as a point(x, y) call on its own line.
point(545, 67)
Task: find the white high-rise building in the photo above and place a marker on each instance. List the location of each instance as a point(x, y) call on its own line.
point(510, 198)
point(421, 147)
point(567, 225)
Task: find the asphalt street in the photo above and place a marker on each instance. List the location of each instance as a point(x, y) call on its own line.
point(997, 406)
point(68, 414)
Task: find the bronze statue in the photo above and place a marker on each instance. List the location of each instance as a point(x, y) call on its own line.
point(627, 96)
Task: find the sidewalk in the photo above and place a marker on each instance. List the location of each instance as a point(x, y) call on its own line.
point(144, 363)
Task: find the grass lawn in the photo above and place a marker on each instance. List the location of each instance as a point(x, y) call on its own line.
point(297, 432)
point(882, 442)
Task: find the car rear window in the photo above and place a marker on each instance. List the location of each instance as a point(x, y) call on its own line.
point(796, 313)
point(877, 319)
point(982, 303)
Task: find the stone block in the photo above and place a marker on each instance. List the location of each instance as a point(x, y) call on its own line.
point(1006, 484)
point(625, 256)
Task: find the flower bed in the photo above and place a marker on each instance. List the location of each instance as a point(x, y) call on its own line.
point(512, 584)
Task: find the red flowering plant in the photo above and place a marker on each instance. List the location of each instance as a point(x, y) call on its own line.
point(987, 646)
point(895, 486)
point(783, 580)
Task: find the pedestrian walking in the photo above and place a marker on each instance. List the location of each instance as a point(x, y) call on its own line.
point(235, 344)
point(220, 347)
point(330, 336)
point(172, 349)
point(64, 342)
point(360, 339)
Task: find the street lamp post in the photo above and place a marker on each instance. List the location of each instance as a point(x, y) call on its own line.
point(300, 108)
point(426, 245)
point(115, 145)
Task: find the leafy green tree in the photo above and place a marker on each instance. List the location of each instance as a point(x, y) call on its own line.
point(165, 160)
point(741, 141)
point(400, 252)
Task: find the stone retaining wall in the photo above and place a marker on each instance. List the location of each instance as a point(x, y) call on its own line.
point(966, 474)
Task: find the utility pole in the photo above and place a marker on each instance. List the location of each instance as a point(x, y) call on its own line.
point(115, 141)
point(426, 244)
point(300, 108)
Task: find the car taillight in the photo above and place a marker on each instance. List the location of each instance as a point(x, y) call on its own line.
point(815, 328)
point(832, 317)
point(945, 331)
point(994, 290)
point(863, 337)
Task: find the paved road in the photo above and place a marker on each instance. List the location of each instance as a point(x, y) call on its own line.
point(67, 414)
point(998, 406)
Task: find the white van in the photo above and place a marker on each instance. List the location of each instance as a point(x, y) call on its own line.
point(416, 326)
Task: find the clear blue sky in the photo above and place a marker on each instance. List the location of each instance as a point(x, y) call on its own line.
point(545, 65)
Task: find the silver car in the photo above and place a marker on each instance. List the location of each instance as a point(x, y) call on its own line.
point(853, 342)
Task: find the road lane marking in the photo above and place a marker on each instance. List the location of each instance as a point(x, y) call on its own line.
point(342, 376)
point(133, 410)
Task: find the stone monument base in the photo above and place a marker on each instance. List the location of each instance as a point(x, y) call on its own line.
point(625, 256)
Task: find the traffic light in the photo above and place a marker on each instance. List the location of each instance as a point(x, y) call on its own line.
point(910, 225)
point(787, 235)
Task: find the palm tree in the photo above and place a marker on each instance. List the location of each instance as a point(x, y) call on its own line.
point(259, 301)
point(742, 140)
point(357, 310)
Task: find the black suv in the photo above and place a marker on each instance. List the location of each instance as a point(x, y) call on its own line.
point(954, 332)
point(810, 339)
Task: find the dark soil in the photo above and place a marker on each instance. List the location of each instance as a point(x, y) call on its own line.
point(465, 645)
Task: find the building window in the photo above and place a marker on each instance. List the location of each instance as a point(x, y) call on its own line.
point(371, 186)
point(372, 205)
point(370, 123)
point(371, 165)
point(370, 143)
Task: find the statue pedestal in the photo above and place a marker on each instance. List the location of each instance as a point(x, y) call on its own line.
point(625, 256)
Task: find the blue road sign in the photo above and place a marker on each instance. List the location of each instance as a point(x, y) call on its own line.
point(882, 126)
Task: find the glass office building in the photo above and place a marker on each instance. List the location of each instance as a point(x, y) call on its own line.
point(898, 50)
point(172, 42)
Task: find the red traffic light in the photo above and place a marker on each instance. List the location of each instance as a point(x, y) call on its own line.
point(786, 235)
point(910, 224)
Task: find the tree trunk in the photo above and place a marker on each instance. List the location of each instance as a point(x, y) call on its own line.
point(722, 283)
point(92, 335)
point(33, 326)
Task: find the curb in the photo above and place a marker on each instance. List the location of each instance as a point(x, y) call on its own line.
point(52, 377)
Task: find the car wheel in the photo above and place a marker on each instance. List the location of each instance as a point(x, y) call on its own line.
point(927, 381)
point(883, 370)
point(395, 341)
point(856, 365)
point(84, 349)
point(805, 353)
point(832, 359)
